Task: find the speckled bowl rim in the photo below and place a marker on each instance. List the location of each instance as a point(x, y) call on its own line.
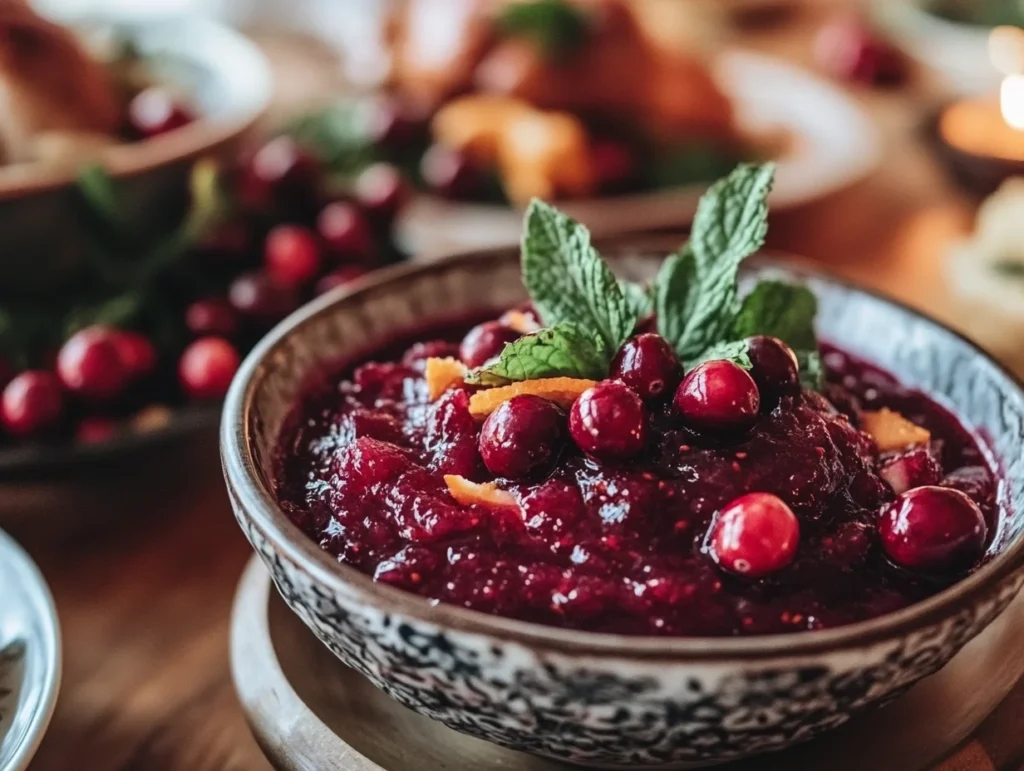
point(260, 507)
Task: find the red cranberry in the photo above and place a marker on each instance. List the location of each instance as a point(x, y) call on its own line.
point(381, 190)
point(914, 468)
point(718, 396)
point(90, 364)
point(258, 297)
point(648, 365)
point(211, 316)
point(343, 276)
point(609, 421)
point(975, 481)
point(849, 49)
point(485, 341)
point(933, 529)
point(32, 403)
point(291, 255)
point(345, 231)
point(280, 172)
point(95, 430)
point(138, 354)
point(391, 124)
point(774, 366)
point(155, 111)
point(450, 173)
point(207, 367)
point(755, 535)
point(614, 162)
point(522, 435)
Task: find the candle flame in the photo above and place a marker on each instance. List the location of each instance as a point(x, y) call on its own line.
point(1006, 52)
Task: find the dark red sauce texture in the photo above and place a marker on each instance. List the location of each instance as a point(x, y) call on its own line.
point(609, 547)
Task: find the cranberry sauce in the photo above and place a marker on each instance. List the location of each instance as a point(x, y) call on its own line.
point(787, 519)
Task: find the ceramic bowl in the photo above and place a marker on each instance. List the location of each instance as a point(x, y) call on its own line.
point(601, 699)
point(225, 78)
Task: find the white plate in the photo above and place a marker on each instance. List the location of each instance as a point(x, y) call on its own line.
point(832, 144)
point(30, 659)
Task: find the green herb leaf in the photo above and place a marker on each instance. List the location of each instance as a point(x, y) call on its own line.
point(569, 282)
point(564, 350)
point(782, 310)
point(558, 28)
point(638, 298)
point(695, 292)
point(1009, 268)
point(337, 136)
point(100, 195)
point(812, 369)
point(734, 351)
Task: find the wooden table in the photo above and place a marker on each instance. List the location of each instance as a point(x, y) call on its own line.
point(145, 605)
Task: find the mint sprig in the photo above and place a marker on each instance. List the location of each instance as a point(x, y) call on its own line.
point(695, 292)
point(695, 296)
point(569, 282)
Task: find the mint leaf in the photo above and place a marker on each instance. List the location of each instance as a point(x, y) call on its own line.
point(564, 350)
point(812, 369)
point(638, 298)
point(695, 292)
point(734, 351)
point(782, 310)
point(569, 282)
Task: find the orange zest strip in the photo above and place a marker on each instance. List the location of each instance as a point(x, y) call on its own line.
point(891, 431)
point(563, 391)
point(442, 374)
point(470, 493)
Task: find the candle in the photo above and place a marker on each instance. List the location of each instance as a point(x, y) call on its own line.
point(983, 137)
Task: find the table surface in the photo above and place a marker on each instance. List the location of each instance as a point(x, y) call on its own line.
point(145, 605)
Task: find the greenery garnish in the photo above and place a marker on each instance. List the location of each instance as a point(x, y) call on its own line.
point(1009, 268)
point(558, 28)
point(695, 297)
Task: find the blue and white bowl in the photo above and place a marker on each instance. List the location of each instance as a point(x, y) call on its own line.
point(602, 699)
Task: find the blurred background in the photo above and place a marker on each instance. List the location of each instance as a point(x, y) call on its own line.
point(179, 175)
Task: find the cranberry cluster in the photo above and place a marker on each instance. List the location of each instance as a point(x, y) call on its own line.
point(927, 528)
point(291, 236)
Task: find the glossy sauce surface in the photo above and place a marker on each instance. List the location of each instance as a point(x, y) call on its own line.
point(611, 546)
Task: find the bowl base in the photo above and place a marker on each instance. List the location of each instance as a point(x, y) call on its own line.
point(307, 710)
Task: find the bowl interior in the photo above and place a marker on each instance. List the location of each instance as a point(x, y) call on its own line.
point(920, 352)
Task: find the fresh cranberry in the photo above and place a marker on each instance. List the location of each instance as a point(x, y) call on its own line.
point(138, 354)
point(258, 297)
point(32, 403)
point(718, 396)
point(774, 366)
point(755, 535)
point(524, 434)
point(381, 190)
point(392, 124)
point(976, 482)
point(345, 231)
point(291, 255)
point(95, 430)
point(207, 367)
point(648, 365)
point(609, 421)
point(485, 341)
point(614, 162)
point(280, 173)
point(914, 468)
point(343, 276)
point(450, 173)
point(154, 111)
point(211, 316)
point(933, 529)
point(90, 364)
point(849, 49)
